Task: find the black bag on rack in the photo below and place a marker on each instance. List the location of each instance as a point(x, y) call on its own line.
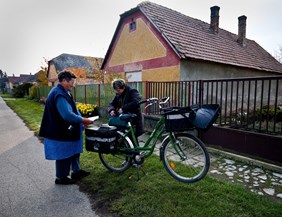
point(177, 119)
point(101, 139)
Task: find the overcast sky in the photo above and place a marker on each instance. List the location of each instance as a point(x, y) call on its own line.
point(32, 30)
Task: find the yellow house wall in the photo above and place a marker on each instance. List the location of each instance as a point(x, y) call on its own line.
point(52, 74)
point(162, 74)
point(138, 45)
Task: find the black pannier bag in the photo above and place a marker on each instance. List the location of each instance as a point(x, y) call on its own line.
point(177, 118)
point(205, 115)
point(101, 139)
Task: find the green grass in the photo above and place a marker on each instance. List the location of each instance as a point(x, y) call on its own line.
point(29, 111)
point(157, 193)
point(6, 95)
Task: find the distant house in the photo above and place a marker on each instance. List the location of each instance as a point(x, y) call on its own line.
point(14, 81)
point(83, 67)
point(155, 43)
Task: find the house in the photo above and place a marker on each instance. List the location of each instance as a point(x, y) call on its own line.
point(84, 67)
point(155, 43)
point(14, 81)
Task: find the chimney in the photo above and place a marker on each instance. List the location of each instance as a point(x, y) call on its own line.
point(242, 30)
point(214, 19)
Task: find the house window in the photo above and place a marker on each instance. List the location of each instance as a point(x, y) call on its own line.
point(132, 25)
point(134, 76)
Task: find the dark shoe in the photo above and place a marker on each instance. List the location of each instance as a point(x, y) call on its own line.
point(80, 174)
point(64, 181)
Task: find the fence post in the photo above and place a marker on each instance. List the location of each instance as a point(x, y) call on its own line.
point(85, 101)
point(201, 90)
point(146, 89)
point(99, 95)
point(74, 93)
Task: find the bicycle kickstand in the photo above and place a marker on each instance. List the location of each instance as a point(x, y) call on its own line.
point(138, 167)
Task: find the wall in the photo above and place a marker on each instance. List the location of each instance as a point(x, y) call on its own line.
point(52, 74)
point(241, 95)
point(263, 147)
point(142, 49)
point(195, 70)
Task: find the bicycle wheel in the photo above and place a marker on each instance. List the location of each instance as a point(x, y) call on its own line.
point(187, 161)
point(117, 162)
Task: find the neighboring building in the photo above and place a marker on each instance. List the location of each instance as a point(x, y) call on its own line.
point(14, 81)
point(155, 43)
point(83, 67)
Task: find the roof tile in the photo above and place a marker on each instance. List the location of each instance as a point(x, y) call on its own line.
point(193, 38)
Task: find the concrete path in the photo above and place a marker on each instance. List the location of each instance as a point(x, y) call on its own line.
point(257, 176)
point(27, 186)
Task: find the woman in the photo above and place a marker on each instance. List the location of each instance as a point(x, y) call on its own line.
point(126, 101)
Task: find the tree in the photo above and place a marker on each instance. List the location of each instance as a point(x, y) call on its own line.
point(80, 73)
point(278, 54)
point(3, 80)
point(42, 74)
point(110, 76)
point(96, 64)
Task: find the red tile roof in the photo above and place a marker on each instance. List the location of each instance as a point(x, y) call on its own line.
point(192, 38)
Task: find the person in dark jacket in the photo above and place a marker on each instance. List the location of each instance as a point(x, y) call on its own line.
point(61, 127)
point(126, 101)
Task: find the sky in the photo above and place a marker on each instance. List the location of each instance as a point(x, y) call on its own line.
point(34, 30)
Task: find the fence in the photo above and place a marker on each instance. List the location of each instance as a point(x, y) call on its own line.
point(251, 104)
point(248, 103)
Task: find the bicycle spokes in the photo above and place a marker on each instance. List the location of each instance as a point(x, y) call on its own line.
point(185, 158)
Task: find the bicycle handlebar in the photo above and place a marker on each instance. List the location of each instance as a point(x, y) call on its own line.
point(154, 100)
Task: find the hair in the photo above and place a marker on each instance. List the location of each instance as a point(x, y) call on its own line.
point(118, 83)
point(65, 74)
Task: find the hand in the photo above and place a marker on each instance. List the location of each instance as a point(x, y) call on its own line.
point(87, 121)
point(120, 111)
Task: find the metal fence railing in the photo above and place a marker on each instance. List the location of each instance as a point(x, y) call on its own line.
point(247, 103)
point(252, 104)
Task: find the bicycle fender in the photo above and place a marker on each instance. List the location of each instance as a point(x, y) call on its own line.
point(127, 139)
point(161, 148)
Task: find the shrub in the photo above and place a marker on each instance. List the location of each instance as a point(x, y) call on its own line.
point(33, 92)
point(22, 90)
point(269, 113)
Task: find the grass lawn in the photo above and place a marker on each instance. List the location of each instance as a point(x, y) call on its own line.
point(156, 193)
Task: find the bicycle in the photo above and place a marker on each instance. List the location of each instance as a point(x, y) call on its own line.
point(184, 156)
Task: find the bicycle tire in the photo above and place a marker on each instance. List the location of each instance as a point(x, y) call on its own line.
point(195, 163)
point(117, 162)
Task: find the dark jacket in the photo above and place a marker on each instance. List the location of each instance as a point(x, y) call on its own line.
point(53, 126)
point(128, 102)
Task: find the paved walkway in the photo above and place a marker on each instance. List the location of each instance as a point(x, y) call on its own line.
point(27, 186)
point(259, 177)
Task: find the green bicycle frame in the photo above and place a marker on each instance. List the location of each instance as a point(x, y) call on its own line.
point(150, 143)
